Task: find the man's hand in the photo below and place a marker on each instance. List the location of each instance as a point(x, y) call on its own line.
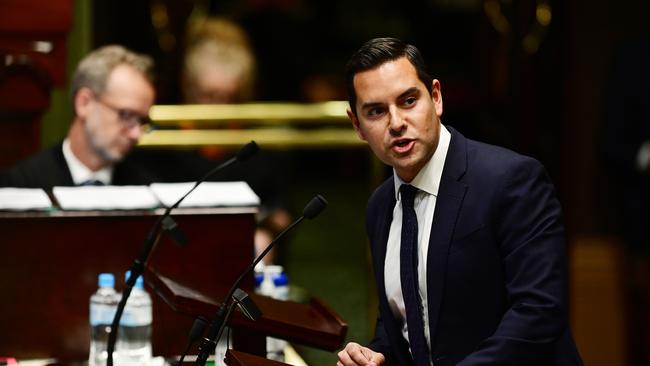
point(354, 354)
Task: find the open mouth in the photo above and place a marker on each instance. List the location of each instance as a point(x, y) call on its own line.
point(402, 143)
point(403, 146)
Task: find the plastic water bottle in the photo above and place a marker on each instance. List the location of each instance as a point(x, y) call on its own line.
point(103, 304)
point(275, 284)
point(275, 347)
point(134, 335)
point(259, 277)
point(267, 287)
point(281, 282)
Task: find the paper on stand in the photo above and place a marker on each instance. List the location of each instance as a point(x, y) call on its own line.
point(23, 199)
point(105, 197)
point(207, 194)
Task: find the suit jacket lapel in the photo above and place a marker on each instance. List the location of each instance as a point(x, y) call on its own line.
point(382, 229)
point(384, 219)
point(61, 172)
point(448, 204)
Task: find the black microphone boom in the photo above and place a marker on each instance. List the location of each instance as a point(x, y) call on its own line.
point(247, 151)
point(167, 223)
point(311, 210)
point(244, 153)
point(314, 207)
point(174, 231)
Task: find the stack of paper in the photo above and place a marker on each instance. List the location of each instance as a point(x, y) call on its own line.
point(105, 198)
point(23, 199)
point(207, 194)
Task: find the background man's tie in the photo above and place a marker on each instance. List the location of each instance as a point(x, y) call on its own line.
point(92, 182)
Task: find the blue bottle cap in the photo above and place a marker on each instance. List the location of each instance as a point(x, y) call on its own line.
point(259, 277)
point(280, 280)
point(106, 280)
point(139, 282)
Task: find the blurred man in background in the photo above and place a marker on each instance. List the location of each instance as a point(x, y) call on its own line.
point(112, 92)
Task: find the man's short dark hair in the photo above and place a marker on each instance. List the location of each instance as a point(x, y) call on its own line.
point(375, 53)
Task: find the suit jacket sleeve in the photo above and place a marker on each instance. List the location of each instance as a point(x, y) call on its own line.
point(380, 342)
point(528, 229)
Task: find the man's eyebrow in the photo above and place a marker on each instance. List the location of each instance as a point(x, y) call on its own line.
point(409, 91)
point(371, 105)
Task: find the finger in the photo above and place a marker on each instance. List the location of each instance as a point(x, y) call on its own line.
point(377, 359)
point(367, 352)
point(344, 359)
point(358, 354)
point(374, 358)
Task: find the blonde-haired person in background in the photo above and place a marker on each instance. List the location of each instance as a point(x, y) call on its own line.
point(219, 64)
point(219, 68)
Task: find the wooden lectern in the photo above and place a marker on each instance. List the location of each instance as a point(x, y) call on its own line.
point(234, 358)
point(312, 324)
point(51, 261)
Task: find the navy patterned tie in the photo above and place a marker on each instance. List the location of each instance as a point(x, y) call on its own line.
point(92, 182)
point(409, 277)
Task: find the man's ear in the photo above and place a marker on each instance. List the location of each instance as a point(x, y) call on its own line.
point(355, 123)
point(82, 101)
point(436, 96)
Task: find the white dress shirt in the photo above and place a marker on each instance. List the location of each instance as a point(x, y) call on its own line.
point(428, 182)
point(80, 173)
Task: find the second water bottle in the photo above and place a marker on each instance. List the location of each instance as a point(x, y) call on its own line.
point(134, 335)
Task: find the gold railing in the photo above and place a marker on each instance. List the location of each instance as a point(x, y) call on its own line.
point(272, 125)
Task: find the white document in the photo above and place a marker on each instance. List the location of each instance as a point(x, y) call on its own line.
point(105, 198)
point(24, 199)
point(207, 194)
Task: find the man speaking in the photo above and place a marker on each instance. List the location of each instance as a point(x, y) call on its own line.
point(467, 239)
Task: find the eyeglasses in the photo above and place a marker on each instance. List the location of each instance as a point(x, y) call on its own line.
point(129, 117)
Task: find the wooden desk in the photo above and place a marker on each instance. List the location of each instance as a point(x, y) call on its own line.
point(50, 263)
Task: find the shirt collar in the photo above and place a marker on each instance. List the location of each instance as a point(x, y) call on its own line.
point(428, 178)
point(79, 172)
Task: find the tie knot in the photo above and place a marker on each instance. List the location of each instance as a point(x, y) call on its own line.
point(407, 192)
point(92, 182)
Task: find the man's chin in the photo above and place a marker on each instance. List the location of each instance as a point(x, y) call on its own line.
point(115, 156)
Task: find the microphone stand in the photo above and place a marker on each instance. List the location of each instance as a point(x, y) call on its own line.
point(209, 343)
point(164, 221)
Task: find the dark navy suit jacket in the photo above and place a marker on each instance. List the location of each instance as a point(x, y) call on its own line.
point(496, 266)
point(48, 169)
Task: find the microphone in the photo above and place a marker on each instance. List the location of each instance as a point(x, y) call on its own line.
point(208, 344)
point(314, 207)
point(247, 151)
point(168, 224)
point(195, 334)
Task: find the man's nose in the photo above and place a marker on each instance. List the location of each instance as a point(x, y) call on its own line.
point(396, 120)
point(134, 131)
